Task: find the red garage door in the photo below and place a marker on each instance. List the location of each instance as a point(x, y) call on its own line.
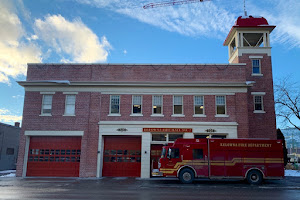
point(54, 156)
point(122, 156)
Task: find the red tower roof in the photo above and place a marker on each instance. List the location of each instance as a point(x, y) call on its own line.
point(250, 21)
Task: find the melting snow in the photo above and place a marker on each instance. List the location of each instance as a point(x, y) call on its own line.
point(292, 173)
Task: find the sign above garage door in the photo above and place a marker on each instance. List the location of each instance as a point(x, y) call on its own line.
point(168, 130)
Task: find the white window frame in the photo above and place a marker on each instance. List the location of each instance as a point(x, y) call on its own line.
point(260, 94)
point(199, 115)
point(259, 60)
point(167, 138)
point(46, 94)
point(65, 114)
point(209, 135)
point(182, 111)
point(136, 114)
point(114, 114)
point(161, 104)
point(221, 115)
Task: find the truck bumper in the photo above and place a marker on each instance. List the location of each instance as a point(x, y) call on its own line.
point(156, 172)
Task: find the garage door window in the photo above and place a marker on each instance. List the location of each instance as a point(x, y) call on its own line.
point(122, 156)
point(47, 155)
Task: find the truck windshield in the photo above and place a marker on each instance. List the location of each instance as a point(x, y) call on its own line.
point(163, 153)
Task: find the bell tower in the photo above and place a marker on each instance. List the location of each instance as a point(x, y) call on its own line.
point(248, 35)
point(249, 44)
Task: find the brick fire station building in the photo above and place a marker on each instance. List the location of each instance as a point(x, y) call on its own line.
point(93, 120)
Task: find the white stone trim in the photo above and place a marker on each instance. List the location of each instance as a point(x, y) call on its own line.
point(157, 115)
point(259, 111)
point(47, 92)
point(256, 57)
point(254, 50)
point(161, 90)
point(221, 115)
point(114, 115)
point(177, 115)
point(70, 93)
point(27, 142)
point(45, 115)
point(257, 75)
point(258, 93)
point(198, 115)
point(163, 124)
point(54, 133)
point(100, 156)
point(136, 115)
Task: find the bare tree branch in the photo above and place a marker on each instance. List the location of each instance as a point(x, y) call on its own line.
point(287, 95)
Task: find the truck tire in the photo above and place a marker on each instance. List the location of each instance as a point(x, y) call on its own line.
point(254, 177)
point(186, 176)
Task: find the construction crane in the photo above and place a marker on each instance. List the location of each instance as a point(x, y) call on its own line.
point(171, 3)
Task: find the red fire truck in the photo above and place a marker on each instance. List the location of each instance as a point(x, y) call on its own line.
point(251, 159)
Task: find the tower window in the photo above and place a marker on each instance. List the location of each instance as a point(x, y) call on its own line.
point(258, 103)
point(256, 67)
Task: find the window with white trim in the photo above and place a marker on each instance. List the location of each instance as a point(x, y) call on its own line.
point(157, 105)
point(258, 103)
point(166, 137)
point(220, 105)
point(136, 104)
point(178, 105)
point(47, 104)
point(199, 105)
point(256, 66)
point(70, 104)
point(114, 104)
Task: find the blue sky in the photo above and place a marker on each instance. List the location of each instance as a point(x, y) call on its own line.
point(121, 31)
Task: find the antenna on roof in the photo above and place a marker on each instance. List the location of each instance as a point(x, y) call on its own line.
point(245, 12)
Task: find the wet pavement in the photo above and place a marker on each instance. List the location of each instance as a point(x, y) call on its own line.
point(149, 189)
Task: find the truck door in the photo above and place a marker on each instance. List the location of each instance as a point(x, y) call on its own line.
point(173, 159)
point(200, 158)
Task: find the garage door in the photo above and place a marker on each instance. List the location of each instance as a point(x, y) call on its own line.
point(54, 156)
point(122, 156)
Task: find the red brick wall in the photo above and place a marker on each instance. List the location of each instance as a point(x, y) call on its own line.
point(261, 125)
point(86, 119)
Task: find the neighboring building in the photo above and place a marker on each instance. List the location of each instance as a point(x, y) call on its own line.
point(292, 140)
point(93, 120)
point(9, 145)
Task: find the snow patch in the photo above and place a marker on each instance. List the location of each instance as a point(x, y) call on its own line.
point(7, 171)
point(8, 175)
point(292, 173)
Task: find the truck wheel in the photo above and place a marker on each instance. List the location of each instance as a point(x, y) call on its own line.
point(186, 176)
point(254, 177)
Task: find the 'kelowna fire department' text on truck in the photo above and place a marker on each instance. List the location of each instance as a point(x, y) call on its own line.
point(251, 159)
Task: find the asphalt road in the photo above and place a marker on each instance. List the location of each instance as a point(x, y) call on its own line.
point(154, 189)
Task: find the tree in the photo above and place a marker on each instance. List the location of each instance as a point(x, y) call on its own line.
point(287, 102)
point(280, 136)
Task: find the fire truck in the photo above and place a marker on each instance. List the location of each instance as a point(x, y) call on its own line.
point(247, 159)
